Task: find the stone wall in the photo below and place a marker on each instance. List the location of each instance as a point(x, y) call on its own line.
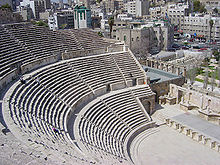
point(163, 88)
point(198, 99)
point(162, 65)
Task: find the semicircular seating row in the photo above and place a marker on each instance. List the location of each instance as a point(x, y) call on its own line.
point(50, 93)
point(102, 127)
point(24, 43)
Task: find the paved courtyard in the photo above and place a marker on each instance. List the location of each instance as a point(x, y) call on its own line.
point(190, 119)
point(168, 147)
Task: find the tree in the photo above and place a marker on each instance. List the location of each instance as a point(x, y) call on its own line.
point(216, 54)
point(198, 7)
point(6, 6)
point(191, 74)
point(211, 23)
point(111, 23)
point(206, 79)
point(213, 81)
point(218, 73)
point(98, 1)
point(215, 10)
point(40, 23)
point(63, 26)
point(100, 34)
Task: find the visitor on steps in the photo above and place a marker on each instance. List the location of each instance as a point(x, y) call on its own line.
point(55, 130)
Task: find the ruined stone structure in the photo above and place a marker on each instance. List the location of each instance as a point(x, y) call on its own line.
point(78, 97)
point(206, 105)
point(162, 65)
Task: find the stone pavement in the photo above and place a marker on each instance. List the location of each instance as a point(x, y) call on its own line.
point(189, 119)
point(168, 147)
point(164, 145)
point(199, 124)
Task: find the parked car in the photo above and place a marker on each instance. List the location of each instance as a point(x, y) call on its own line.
point(176, 46)
point(201, 49)
point(185, 47)
point(171, 49)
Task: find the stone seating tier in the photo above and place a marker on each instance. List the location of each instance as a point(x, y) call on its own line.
point(23, 43)
point(104, 125)
point(52, 94)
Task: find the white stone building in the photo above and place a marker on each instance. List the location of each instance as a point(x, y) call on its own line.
point(82, 17)
point(142, 7)
point(198, 24)
point(131, 7)
point(175, 12)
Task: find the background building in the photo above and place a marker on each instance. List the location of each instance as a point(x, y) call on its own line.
point(142, 7)
point(198, 24)
point(136, 39)
point(37, 6)
point(82, 17)
point(61, 20)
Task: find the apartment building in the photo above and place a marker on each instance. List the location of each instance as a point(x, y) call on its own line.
point(198, 25)
point(131, 8)
point(37, 6)
point(61, 20)
point(175, 12)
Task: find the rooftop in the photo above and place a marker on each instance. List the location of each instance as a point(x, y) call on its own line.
point(156, 74)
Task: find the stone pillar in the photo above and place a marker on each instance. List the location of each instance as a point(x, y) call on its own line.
point(157, 65)
point(178, 71)
point(173, 69)
point(148, 80)
point(184, 72)
point(161, 66)
point(152, 64)
point(147, 62)
point(167, 67)
point(152, 107)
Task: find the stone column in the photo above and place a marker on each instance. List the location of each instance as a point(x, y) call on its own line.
point(161, 66)
point(157, 64)
point(151, 64)
point(147, 62)
point(184, 72)
point(152, 106)
point(178, 71)
point(167, 67)
point(173, 69)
